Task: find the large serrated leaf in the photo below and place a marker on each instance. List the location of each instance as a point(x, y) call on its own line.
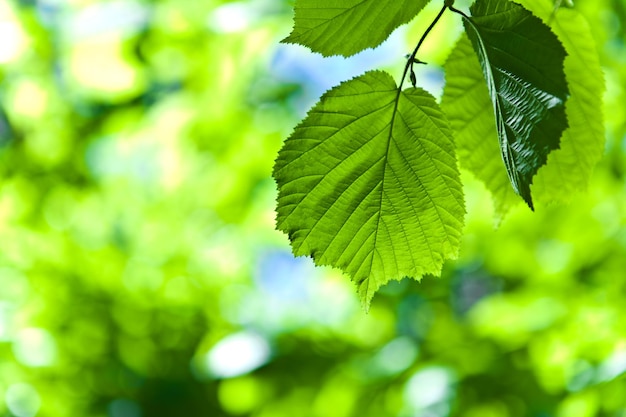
point(569, 168)
point(345, 27)
point(368, 183)
point(522, 61)
point(468, 106)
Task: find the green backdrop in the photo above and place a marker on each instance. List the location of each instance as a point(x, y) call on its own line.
point(141, 275)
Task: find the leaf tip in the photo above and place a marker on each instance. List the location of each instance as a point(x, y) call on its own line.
point(366, 293)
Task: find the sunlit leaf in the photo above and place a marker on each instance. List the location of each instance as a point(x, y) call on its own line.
point(345, 27)
point(522, 61)
point(368, 183)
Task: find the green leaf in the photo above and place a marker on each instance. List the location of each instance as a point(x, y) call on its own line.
point(468, 106)
point(345, 27)
point(569, 168)
point(522, 61)
point(368, 183)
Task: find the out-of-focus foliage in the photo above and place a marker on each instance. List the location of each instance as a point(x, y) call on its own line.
point(141, 275)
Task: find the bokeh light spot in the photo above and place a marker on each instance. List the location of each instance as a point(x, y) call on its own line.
point(34, 347)
point(231, 17)
point(22, 400)
point(428, 387)
point(238, 354)
point(14, 41)
point(29, 99)
point(612, 367)
point(397, 355)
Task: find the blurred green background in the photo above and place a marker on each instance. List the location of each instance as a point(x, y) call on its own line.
point(141, 275)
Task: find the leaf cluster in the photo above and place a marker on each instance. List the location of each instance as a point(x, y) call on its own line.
point(369, 181)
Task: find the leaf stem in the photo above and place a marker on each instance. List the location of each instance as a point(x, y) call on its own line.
point(409, 65)
point(411, 60)
point(455, 10)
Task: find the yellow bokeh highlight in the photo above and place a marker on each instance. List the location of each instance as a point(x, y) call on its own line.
point(100, 65)
point(240, 395)
point(29, 99)
point(14, 40)
point(579, 405)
